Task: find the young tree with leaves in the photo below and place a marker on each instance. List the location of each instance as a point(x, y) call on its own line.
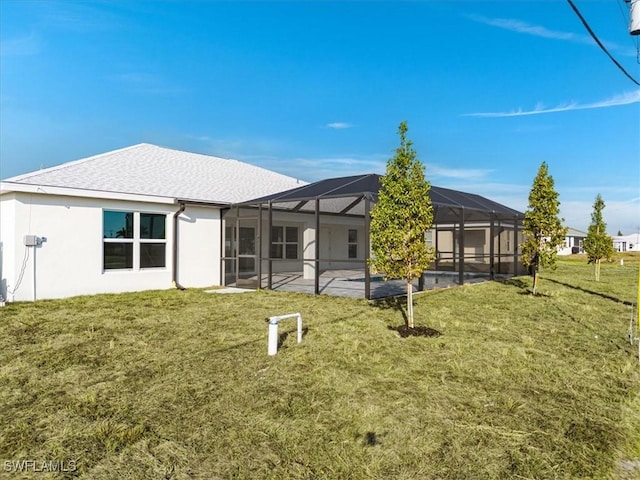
point(401, 218)
point(598, 244)
point(543, 228)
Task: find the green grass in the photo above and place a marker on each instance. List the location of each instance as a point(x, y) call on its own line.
point(178, 385)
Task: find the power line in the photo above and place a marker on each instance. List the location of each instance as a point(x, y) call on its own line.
point(597, 40)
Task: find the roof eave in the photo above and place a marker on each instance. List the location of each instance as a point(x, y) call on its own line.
point(8, 187)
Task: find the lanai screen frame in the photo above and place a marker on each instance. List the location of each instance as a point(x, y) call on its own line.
point(451, 207)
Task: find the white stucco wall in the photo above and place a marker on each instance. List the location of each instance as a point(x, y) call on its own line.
point(334, 231)
point(70, 261)
point(199, 232)
point(570, 241)
point(7, 241)
point(627, 243)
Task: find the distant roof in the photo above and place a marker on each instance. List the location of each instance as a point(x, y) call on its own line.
point(632, 237)
point(572, 232)
point(338, 195)
point(146, 169)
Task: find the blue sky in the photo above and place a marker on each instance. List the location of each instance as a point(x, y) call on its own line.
point(317, 89)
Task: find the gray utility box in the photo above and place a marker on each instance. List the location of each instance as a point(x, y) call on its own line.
point(31, 240)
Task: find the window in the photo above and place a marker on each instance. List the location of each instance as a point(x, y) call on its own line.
point(229, 242)
point(152, 240)
point(133, 240)
point(118, 240)
point(284, 242)
point(428, 238)
point(352, 243)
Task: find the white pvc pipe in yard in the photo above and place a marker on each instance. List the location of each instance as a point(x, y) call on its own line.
point(272, 343)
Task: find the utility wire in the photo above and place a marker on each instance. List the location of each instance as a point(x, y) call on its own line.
point(593, 35)
point(25, 259)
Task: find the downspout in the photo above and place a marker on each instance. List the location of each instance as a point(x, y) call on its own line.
point(175, 283)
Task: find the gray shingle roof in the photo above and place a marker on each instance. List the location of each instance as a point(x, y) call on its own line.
point(572, 232)
point(146, 169)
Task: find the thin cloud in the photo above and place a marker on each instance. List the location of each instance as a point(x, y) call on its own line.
point(619, 215)
point(608, 191)
point(526, 28)
point(519, 26)
point(326, 167)
point(312, 169)
point(339, 125)
point(146, 83)
point(78, 18)
point(459, 173)
point(20, 46)
point(615, 101)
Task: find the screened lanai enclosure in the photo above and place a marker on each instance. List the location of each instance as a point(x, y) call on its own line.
point(315, 239)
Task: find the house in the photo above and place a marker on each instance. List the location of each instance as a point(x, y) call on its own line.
point(572, 242)
point(139, 218)
point(627, 243)
point(147, 217)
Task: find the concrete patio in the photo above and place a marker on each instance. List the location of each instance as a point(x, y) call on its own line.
point(350, 283)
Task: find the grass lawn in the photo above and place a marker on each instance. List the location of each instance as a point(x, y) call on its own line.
point(178, 385)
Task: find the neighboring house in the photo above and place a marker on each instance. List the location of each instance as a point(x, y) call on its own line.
point(147, 217)
point(113, 222)
point(627, 243)
point(572, 242)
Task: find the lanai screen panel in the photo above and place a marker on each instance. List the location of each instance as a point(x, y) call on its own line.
point(480, 234)
point(343, 190)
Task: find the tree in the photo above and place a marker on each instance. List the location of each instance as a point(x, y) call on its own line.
point(401, 218)
point(543, 228)
point(598, 244)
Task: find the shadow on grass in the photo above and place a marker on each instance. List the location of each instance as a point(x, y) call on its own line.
point(400, 304)
point(238, 345)
point(582, 324)
point(284, 335)
point(393, 303)
point(591, 292)
point(417, 331)
point(522, 285)
point(516, 282)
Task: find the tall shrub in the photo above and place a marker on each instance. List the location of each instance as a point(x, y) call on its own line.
point(543, 228)
point(598, 244)
point(401, 218)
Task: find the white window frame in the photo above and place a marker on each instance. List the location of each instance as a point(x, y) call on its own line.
point(350, 243)
point(286, 242)
point(136, 241)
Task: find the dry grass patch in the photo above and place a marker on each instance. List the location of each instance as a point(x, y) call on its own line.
point(178, 384)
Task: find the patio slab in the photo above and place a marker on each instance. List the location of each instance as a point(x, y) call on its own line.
point(350, 283)
point(228, 290)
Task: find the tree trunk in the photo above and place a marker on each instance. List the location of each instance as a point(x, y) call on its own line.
point(410, 323)
point(598, 270)
point(535, 281)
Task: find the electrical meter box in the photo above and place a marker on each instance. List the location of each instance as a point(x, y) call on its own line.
point(31, 240)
